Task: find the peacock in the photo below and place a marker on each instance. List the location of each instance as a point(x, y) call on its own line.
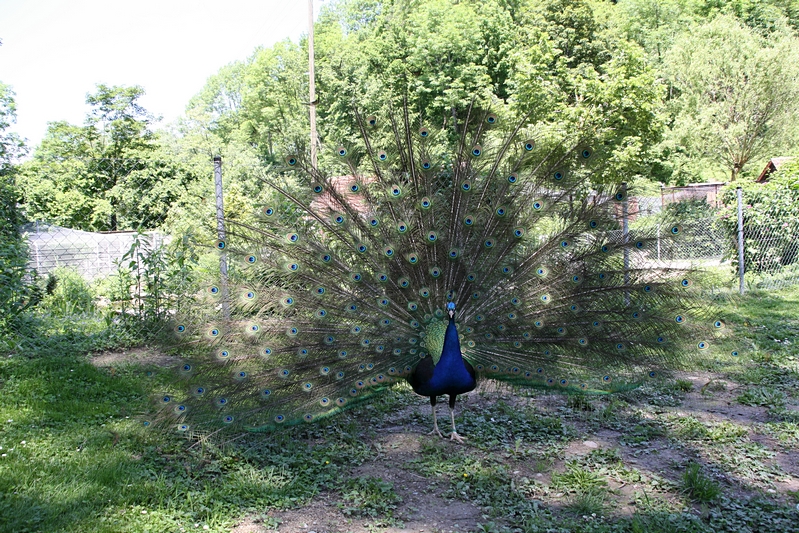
point(483, 248)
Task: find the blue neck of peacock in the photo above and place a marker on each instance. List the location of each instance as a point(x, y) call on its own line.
point(452, 345)
point(451, 354)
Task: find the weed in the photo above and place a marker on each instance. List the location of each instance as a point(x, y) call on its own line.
point(491, 527)
point(71, 295)
point(762, 396)
point(579, 402)
point(683, 385)
point(784, 415)
point(589, 502)
point(369, 496)
point(657, 393)
point(576, 478)
point(642, 433)
point(500, 424)
point(698, 486)
point(689, 428)
point(751, 515)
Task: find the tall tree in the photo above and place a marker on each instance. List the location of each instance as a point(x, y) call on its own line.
point(11, 145)
point(738, 93)
point(15, 294)
point(108, 174)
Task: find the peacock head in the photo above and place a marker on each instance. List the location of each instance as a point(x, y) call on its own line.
point(451, 309)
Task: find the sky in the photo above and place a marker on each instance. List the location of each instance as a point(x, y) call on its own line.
point(54, 52)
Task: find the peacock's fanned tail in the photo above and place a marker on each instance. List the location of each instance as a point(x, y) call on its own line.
point(340, 286)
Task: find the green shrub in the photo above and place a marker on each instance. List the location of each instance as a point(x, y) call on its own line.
point(71, 295)
point(17, 293)
point(769, 210)
point(698, 486)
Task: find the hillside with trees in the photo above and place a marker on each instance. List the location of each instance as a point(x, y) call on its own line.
point(677, 92)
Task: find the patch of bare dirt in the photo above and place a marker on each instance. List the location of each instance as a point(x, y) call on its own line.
point(424, 509)
point(421, 508)
point(324, 516)
point(136, 356)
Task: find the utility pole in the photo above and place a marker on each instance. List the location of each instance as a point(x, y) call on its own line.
point(312, 85)
point(220, 230)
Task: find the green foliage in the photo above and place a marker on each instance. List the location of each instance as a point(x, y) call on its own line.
point(579, 402)
point(577, 478)
point(725, 110)
point(698, 486)
point(70, 296)
point(770, 213)
point(109, 174)
point(689, 428)
point(368, 496)
point(762, 396)
point(16, 293)
point(154, 279)
point(642, 433)
point(505, 425)
point(11, 146)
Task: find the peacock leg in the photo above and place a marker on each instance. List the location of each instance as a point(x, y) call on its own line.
point(454, 435)
point(435, 422)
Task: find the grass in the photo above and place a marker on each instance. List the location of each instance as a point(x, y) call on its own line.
point(699, 487)
point(75, 459)
point(762, 396)
point(369, 496)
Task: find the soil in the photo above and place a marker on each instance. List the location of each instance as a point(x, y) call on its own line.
point(136, 356)
point(423, 509)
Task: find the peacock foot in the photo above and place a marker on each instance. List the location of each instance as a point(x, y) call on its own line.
point(435, 431)
point(457, 438)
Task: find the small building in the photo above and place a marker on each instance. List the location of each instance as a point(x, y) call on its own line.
point(709, 192)
point(773, 165)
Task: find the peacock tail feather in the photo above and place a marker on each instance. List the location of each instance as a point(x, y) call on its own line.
point(340, 287)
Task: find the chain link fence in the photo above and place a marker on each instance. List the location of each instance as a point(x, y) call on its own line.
point(92, 255)
point(770, 238)
point(132, 279)
point(138, 274)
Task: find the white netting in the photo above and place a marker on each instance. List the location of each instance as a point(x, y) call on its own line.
point(91, 254)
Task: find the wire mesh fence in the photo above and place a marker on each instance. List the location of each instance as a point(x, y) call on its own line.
point(703, 240)
point(133, 279)
point(771, 246)
point(142, 274)
point(91, 254)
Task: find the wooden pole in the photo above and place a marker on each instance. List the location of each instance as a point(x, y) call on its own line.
point(625, 235)
point(220, 231)
point(312, 85)
point(741, 270)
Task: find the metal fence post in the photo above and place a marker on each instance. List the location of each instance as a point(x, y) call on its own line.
point(658, 238)
point(625, 235)
point(220, 229)
point(739, 194)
